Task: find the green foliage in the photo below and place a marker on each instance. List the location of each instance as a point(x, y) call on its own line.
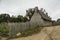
point(29, 13)
point(7, 18)
point(58, 21)
point(31, 31)
point(25, 19)
point(13, 19)
point(3, 30)
point(4, 17)
point(20, 18)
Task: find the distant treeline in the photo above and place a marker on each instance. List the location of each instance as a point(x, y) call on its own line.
point(8, 18)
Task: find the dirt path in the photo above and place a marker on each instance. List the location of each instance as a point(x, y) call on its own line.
point(56, 33)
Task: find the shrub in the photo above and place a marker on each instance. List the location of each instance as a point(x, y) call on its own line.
point(3, 30)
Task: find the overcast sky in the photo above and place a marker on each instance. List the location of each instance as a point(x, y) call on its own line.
point(18, 7)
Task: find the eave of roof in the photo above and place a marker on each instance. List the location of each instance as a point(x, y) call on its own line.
point(45, 17)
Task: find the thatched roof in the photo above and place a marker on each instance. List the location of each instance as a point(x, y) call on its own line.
point(44, 16)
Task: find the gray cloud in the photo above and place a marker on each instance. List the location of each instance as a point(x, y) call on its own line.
point(16, 7)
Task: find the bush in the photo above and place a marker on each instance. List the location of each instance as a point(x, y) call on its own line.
point(3, 30)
